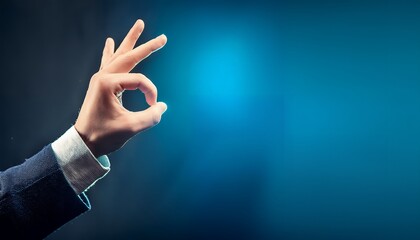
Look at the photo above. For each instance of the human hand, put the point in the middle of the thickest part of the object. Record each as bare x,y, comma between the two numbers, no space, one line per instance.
103,123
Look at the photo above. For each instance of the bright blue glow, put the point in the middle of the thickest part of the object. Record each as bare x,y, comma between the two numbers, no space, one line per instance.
295,120
220,69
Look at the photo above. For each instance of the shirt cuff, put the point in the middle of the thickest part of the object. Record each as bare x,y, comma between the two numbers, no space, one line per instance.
79,165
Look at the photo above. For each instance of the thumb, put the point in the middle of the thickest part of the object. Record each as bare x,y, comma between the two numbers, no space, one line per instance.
150,117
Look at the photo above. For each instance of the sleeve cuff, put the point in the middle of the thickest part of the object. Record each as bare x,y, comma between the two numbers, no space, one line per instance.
79,165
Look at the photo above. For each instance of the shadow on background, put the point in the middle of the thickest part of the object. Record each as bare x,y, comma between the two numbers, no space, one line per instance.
286,119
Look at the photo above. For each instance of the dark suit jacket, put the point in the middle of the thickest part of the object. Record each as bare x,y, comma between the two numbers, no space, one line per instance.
36,199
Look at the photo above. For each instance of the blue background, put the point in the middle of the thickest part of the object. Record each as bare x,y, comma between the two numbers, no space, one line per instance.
286,119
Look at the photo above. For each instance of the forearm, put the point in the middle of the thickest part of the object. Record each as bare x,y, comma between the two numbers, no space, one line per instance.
36,199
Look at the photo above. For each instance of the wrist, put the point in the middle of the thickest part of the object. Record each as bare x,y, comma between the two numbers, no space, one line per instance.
79,165
89,143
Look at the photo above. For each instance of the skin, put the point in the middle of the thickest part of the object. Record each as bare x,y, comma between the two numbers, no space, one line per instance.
103,122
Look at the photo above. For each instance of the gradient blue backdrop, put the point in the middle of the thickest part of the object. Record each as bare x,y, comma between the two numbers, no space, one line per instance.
286,119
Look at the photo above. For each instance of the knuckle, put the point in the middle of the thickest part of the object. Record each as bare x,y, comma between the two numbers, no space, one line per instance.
156,117
140,76
153,89
149,86
156,120
99,80
152,119
135,35
154,46
95,79
132,59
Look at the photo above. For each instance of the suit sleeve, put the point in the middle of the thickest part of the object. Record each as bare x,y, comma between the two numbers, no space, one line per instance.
36,198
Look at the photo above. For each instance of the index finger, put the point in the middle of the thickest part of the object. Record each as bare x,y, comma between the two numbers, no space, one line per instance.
127,61
132,81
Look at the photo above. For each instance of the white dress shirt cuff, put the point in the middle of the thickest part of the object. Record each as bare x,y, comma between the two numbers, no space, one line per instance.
79,165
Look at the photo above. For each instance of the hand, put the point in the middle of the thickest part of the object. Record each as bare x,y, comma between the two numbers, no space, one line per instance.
103,123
